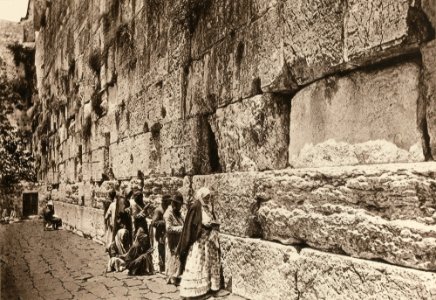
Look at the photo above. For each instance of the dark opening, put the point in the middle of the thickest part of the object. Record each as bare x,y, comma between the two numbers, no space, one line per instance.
214,158
30,204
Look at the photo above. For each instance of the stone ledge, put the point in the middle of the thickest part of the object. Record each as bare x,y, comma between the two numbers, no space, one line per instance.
258,269
85,220
379,212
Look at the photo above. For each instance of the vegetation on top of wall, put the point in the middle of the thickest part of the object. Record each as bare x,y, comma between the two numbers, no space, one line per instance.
16,162
21,89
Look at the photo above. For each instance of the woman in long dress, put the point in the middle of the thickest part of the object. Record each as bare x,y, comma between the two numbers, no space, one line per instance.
198,249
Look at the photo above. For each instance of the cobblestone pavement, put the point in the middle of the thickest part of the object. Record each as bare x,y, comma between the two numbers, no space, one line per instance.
37,264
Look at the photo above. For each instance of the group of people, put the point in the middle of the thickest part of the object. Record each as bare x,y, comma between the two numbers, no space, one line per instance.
6,217
188,246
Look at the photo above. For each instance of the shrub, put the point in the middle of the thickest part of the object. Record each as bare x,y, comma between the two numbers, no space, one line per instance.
155,130
86,128
94,61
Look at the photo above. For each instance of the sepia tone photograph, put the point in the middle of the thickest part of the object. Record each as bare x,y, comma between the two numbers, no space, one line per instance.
218,149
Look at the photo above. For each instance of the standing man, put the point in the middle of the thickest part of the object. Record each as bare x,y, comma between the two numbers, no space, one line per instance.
173,225
158,223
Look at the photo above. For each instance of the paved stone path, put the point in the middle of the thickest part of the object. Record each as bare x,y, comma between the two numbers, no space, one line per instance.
37,264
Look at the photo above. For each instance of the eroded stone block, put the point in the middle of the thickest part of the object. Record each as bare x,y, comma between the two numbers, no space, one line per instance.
257,270
363,118
181,147
130,156
376,28
312,39
252,134
328,276
368,211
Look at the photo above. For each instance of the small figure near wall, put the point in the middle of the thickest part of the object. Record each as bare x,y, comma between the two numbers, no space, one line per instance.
50,219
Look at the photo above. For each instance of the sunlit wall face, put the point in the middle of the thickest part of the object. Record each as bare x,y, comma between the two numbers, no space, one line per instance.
13,10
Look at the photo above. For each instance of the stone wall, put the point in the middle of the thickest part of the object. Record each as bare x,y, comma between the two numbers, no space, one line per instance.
313,123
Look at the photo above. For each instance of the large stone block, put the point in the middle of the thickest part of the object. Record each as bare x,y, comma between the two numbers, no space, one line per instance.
131,155
159,102
378,212
239,66
313,41
378,28
182,147
235,204
362,118
328,276
252,134
258,270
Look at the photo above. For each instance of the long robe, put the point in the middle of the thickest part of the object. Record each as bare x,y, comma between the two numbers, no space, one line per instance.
199,252
174,225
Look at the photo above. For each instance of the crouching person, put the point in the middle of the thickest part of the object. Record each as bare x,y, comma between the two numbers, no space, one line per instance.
49,216
138,259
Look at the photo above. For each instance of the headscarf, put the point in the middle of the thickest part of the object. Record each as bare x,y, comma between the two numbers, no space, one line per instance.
120,238
202,194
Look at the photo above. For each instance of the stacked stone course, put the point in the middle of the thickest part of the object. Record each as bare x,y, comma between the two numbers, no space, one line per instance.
313,123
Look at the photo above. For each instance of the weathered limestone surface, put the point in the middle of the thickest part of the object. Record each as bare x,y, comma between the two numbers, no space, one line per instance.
131,155
182,147
328,276
313,40
253,134
257,270
362,118
383,211
429,82
85,220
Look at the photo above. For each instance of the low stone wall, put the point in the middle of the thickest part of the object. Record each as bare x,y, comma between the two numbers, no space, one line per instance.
85,221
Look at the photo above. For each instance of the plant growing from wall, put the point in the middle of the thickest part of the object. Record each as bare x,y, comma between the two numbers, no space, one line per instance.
155,130
94,61
86,128
124,39
96,103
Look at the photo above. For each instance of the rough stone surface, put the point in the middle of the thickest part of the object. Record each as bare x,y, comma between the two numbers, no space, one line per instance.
84,220
257,270
372,116
313,41
253,134
381,211
182,147
429,82
328,276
